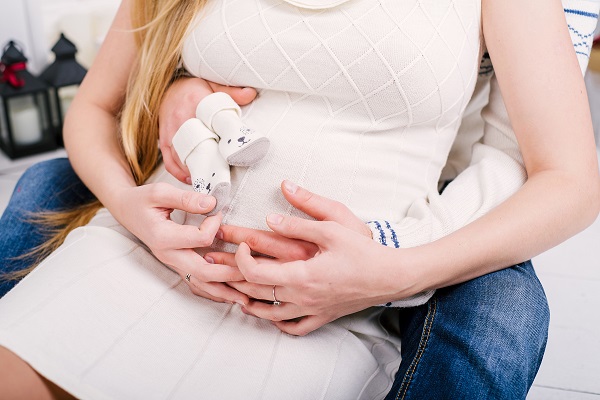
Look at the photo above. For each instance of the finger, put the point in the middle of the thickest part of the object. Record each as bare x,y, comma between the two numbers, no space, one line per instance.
221,258
321,233
202,293
268,243
301,327
229,259
176,236
189,262
321,208
177,161
172,165
217,291
255,291
264,273
168,196
218,273
206,279
282,312
240,95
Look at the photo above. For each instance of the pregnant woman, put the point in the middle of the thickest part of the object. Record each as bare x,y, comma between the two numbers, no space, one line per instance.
361,101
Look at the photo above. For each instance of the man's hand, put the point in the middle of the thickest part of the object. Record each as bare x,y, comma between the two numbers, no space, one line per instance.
320,268
179,105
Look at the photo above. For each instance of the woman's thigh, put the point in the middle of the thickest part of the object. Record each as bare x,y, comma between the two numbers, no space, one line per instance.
101,317
483,339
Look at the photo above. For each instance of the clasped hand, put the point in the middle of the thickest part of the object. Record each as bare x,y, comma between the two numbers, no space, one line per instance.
321,270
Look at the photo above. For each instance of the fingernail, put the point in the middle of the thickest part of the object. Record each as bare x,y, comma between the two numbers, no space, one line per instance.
188,180
206,202
241,304
219,235
275,219
291,187
209,259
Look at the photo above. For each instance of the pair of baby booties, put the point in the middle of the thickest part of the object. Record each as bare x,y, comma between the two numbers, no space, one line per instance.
213,141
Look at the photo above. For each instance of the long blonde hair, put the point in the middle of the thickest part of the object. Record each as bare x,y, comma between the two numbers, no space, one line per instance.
159,27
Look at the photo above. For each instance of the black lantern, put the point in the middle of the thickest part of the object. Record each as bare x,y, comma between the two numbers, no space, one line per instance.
64,76
25,126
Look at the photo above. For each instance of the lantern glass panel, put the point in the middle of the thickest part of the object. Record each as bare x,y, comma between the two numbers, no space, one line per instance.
42,104
53,106
3,123
25,119
66,95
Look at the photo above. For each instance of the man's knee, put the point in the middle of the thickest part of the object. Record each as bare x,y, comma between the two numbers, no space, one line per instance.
507,316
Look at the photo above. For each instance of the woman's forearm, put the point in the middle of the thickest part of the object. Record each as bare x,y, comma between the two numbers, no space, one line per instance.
95,153
546,101
91,126
524,226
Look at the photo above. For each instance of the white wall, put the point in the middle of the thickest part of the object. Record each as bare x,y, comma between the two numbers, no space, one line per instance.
37,24
19,24
85,22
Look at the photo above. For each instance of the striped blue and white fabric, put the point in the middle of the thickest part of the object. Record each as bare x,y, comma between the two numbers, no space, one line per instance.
582,17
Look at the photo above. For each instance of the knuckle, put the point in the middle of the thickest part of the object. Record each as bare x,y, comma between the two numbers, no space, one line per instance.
195,290
269,316
309,197
329,230
311,302
158,191
299,331
251,276
186,199
300,253
253,241
292,224
204,239
200,276
339,210
338,206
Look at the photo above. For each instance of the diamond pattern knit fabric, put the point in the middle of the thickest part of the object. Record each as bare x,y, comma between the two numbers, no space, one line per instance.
361,101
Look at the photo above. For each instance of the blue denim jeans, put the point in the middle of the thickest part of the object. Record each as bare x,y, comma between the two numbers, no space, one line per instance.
47,186
483,339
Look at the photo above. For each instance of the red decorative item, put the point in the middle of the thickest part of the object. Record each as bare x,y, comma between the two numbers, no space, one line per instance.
9,74
12,62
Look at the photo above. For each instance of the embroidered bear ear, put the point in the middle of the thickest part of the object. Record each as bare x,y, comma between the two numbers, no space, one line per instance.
316,4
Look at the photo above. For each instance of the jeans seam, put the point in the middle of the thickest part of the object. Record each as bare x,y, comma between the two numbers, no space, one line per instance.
427,326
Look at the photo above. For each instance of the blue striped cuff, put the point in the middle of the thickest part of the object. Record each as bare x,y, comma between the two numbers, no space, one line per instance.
384,233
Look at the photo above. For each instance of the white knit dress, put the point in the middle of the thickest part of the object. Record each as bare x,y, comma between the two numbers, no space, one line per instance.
361,100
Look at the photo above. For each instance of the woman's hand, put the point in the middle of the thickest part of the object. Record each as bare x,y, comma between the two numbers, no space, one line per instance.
320,268
285,249
179,105
337,281
146,212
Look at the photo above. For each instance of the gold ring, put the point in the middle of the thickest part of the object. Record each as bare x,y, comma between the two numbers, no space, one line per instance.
188,277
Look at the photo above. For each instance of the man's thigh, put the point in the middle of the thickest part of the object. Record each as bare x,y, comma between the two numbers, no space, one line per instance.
47,186
483,339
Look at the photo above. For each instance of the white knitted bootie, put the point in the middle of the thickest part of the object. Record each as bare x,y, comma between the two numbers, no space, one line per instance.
197,147
238,144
